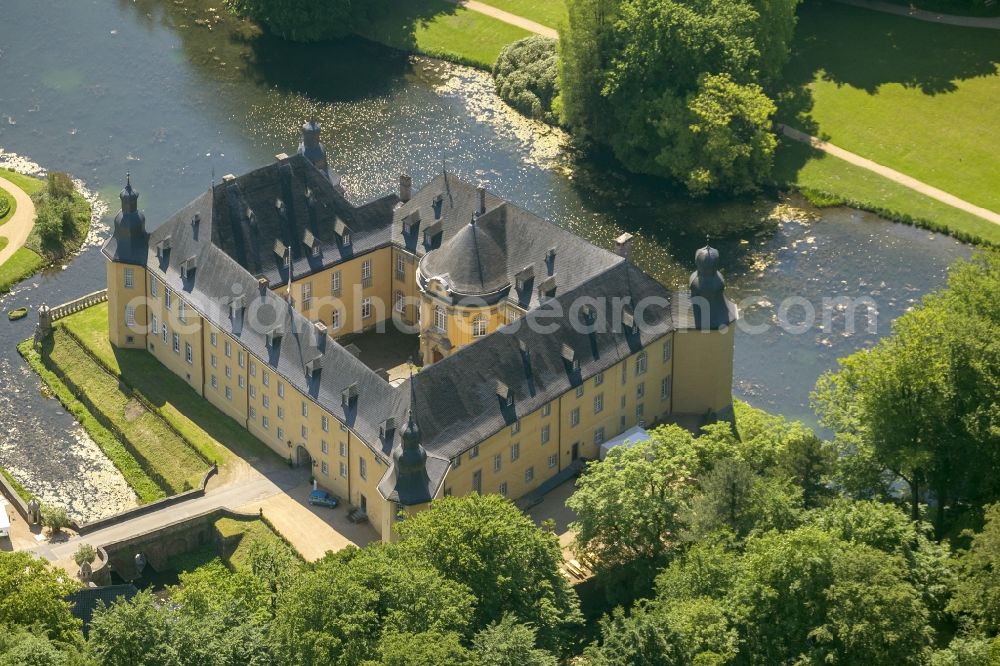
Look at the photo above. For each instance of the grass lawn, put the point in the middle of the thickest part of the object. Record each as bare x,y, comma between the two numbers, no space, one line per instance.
551,13
216,436
145,488
238,537
21,264
915,96
3,242
29,184
441,29
955,7
16,485
170,461
829,180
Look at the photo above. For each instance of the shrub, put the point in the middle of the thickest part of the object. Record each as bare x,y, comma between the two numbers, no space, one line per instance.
526,77
55,518
5,203
84,554
60,185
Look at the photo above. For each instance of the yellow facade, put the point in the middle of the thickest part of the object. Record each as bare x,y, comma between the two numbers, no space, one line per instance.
127,313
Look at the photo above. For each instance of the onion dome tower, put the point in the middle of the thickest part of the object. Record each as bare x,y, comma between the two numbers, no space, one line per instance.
129,241
712,309
411,458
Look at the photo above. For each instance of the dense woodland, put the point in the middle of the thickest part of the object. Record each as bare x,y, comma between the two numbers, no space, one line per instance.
763,544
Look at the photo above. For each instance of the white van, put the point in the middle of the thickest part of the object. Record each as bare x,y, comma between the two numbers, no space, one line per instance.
4,521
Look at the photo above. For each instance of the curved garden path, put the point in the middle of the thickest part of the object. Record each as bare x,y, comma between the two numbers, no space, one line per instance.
891,174
17,228
988,22
507,17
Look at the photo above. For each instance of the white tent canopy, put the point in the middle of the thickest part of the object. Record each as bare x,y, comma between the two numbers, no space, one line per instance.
630,437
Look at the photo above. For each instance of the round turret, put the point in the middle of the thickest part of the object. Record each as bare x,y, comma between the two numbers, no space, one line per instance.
130,224
410,458
312,148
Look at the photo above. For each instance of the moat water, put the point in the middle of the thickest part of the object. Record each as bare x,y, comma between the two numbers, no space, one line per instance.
176,92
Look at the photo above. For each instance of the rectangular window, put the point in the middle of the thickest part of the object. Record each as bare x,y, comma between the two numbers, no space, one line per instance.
366,269
366,307
546,409
167,298
665,388
515,427
130,316
214,339
229,393
640,410
154,325
624,371
343,449
253,413
545,434
574,417
456,462
307,296
129,278
640,390
304,431
164,328
579,391
529,475
598,379
553,460
497,462
503,488
242,359
343,470
229,349
599,436
362,468
188,353
668,350
214,361
177,343
253,369
399,302
182,314
253,392
281,412
515,452
265,400
154,287
598,403
229,372
266,422
242,381
324,446
215,382
335,282
281,433
281,389
400,267
265,377
325,469
305,409
335,319
640,363
440,320
324,422
474,452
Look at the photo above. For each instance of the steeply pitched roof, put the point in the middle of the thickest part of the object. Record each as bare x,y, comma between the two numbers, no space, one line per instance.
457,405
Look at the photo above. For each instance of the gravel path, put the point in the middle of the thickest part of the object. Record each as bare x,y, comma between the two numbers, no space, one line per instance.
891,174
507,17
17,228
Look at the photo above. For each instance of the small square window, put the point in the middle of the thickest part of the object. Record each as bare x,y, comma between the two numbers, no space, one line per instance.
553,460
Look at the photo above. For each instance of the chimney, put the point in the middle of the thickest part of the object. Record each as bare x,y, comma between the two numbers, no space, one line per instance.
320,329
623,245
405,187
481,191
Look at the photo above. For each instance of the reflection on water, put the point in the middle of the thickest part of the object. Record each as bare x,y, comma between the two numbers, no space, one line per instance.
177,92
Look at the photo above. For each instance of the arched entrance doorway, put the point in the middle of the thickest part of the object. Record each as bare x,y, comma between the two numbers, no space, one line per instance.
302,457
436,355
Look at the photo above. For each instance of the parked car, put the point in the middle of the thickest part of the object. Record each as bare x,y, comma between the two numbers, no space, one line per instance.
323,498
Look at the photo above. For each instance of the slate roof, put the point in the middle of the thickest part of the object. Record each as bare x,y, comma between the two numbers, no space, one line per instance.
84,602
456,400
227,236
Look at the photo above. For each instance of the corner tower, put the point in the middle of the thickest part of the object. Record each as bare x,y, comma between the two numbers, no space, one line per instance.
126,252
703,344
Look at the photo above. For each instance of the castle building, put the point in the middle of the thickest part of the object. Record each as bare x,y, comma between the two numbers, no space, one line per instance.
535,346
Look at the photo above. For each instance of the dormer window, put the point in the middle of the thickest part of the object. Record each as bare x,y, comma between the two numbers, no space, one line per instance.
280,249
629,323
274,336
547,289
342,231
523,277
348,394
550,261
236,307
188,266
314,365
280,206
438,206
309,240
387,428
570,357
411,222
162,247
431,231
505,394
